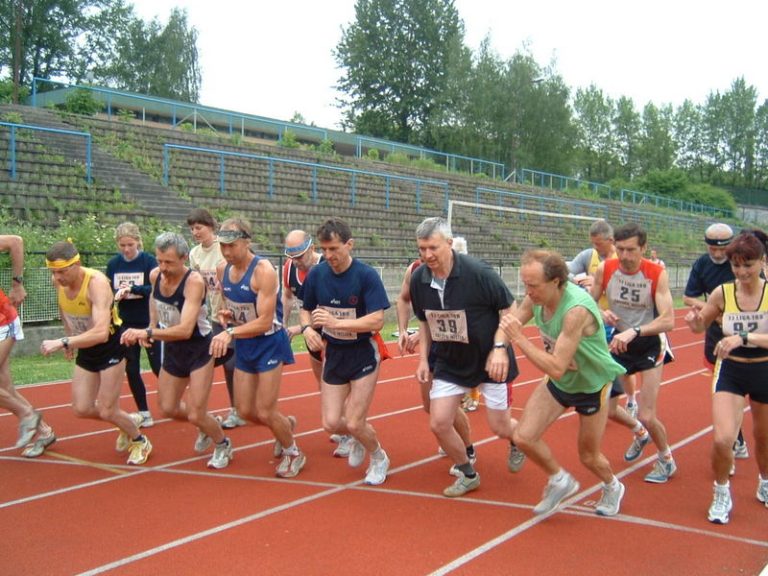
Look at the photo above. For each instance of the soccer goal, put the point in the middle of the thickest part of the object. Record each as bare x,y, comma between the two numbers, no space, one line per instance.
557,216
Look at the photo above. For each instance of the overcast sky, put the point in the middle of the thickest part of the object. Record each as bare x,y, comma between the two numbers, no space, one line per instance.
274,58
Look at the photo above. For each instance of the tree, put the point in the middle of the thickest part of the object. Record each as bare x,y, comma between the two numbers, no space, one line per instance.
626,126
395,58
157,60
596,140
657,144
687,130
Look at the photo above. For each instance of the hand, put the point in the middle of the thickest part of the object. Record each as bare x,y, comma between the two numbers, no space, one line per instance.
122,293
693,318
512,327
322,317
293,331
724,348
220,344
132,336
497,364
313,339
225,317
48,347
609,318
407,342
621,341
423,374
17,294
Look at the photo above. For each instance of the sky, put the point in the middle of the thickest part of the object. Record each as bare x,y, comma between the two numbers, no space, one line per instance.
275,58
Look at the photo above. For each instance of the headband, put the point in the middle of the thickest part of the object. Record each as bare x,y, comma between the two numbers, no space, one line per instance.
296,251
229,236
59,264
718,241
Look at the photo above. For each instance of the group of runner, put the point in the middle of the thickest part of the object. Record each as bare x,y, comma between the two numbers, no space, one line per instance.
602,317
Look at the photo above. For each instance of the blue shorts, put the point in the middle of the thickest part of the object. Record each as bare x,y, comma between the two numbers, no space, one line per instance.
182,358
343,364
263,353
742,378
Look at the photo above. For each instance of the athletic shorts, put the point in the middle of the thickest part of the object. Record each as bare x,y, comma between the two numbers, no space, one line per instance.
317,355
12,330
343,364
617,388
742,378
585,403
644,353
496,394
182,358
102,356
263,353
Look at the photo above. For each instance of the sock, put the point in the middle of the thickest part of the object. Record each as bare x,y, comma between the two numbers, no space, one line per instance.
291,450
559,477
639,430
379,453
727,485
471,451
467,470
612,485
226,441
139,438
666,454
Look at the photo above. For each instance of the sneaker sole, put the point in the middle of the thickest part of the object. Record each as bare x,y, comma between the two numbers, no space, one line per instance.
719,520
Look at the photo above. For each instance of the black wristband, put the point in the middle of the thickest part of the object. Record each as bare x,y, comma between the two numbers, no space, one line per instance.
304,327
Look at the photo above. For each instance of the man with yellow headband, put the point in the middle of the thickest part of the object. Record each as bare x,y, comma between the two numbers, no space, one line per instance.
91,326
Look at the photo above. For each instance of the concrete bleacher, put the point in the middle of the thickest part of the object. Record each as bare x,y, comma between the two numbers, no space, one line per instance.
128,162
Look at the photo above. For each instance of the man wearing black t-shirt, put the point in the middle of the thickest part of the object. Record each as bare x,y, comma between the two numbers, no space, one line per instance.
459,301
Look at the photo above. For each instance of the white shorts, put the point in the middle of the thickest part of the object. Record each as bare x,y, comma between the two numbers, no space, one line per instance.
495,393
12,330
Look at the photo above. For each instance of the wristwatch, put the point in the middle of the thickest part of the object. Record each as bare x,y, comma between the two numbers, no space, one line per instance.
18,279
744,337
149,333
304,328
637,330
65,342
499,344
231,331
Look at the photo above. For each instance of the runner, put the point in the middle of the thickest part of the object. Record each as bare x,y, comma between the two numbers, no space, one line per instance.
178,317
34,434
578,373
91,327
252,318
343,308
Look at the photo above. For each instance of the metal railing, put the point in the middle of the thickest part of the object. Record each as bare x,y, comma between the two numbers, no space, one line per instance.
453,162
13,127
314,167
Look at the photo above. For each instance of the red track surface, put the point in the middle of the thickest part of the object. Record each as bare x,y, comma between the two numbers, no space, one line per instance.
80,509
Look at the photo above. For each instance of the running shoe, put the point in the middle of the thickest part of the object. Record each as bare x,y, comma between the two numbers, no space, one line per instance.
277,449
146,419
635,449
140,451
762,491
336,438
123,441
662,471
344,447
555,493
37,447
232,420
203,441
515,459
28,428
356,454
740,450
377,470
291,465
610,501
719,511
222,455
462,485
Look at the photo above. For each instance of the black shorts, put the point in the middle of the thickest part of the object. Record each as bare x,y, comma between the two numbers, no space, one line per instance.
182,358
230,354
742,378
644,353
102,356
343,364
584,403
617,388
316,354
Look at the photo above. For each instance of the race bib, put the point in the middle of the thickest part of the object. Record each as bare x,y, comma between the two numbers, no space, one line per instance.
167,315
211,281
125,279
448,325
242,312
79,324
341,314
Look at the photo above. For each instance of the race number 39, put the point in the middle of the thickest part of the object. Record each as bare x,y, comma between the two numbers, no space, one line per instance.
448,325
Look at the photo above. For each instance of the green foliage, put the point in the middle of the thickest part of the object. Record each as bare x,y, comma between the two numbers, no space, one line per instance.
125,115
288,140
6,92
326,148
12,117
81,101
373,154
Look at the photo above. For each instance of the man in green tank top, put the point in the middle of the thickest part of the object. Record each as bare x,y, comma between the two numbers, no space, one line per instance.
578,372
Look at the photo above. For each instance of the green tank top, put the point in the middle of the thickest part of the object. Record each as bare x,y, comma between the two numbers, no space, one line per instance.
594,366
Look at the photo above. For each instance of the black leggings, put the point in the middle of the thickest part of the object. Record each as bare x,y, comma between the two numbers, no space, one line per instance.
133,371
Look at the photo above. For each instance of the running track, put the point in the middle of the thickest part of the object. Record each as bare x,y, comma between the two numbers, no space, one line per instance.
81,510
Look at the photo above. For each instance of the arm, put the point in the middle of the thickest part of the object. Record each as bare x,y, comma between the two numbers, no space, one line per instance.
311,336
372,322
577,322
288,300
14,245
425,343
405,342
497,363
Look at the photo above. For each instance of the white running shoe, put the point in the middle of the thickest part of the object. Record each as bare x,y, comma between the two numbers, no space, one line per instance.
555,493
222,455
356,454
377,470
610,501
291,465
123,441
344,446
277,449
719,511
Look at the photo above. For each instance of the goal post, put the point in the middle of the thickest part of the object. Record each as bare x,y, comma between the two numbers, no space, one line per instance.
496,208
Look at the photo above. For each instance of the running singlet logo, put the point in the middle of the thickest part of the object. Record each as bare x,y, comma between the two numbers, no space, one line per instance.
126,279
341,314
448,325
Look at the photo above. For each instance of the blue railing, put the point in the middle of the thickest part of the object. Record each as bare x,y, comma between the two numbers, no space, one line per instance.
558,182
453,162
271,161
12,145
180,112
